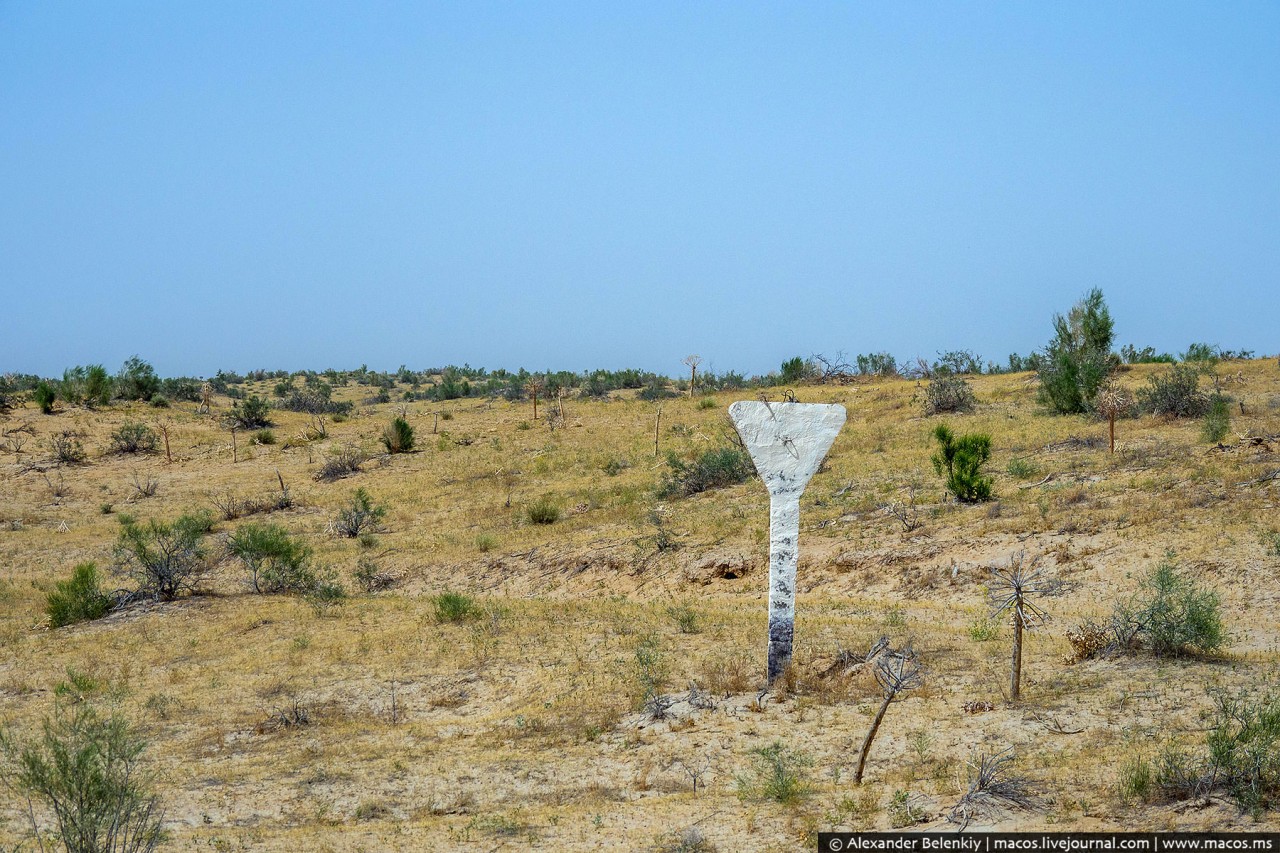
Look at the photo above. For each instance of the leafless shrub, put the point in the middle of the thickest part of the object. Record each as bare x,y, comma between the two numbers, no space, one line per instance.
906,512
144,488
57,488
229,505
993,790
344,463
895,672
291,717
66,447
695,769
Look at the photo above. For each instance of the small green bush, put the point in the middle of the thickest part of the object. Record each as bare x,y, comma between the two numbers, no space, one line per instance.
80,599
160,401
275,560
264,436
1173,614
707,403
1022,469
455,607
397,437
45,396
359,517
543,511
713,469
959,462
486,542
948,394
251,413
134,437
687,619
1217,420
777,773
1174,393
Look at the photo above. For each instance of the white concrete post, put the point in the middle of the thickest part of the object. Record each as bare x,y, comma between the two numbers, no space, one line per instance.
787,442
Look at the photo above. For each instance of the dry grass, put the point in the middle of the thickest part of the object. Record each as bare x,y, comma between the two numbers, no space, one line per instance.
520,724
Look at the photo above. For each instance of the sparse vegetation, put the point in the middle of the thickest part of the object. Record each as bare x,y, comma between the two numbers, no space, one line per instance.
712,469
343,463
84,783
544,510
455,607
777,773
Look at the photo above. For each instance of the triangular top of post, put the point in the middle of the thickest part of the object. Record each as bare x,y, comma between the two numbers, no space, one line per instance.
787,441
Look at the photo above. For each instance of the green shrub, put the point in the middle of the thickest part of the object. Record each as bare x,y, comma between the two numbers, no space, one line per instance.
1022,469
134,438
687,619
1137,780
137,380
276,561
948,394
713,469
1217,420
251,413
397,437
544,510
159,401
360,516
164,559
455,607
796,370
84,774
1173,615
80,599
486,542
66,447
959,462
777,773
264,436
1175,393
1244,750
707,403
343,463
1078,361
45,396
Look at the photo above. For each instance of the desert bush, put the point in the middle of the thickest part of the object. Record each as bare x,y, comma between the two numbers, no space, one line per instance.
946,393
159,401
655,389
486,542
80,599
134,437
165,559
707,403
66,449
345,462
959,462
136,380
777,773
397,437
1175,393
250,413
84,776
1022,469
713,469
1173,615
275,560
615,466
1244,749
544,510
264,436
455,607
1077,362
45,396
360,516
797,370
1217,419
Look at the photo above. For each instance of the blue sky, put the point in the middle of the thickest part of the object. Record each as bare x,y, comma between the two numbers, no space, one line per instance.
571,186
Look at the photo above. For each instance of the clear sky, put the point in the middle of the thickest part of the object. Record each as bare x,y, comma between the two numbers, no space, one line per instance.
571,186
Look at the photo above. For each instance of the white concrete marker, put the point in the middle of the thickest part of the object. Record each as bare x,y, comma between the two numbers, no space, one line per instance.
787,441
